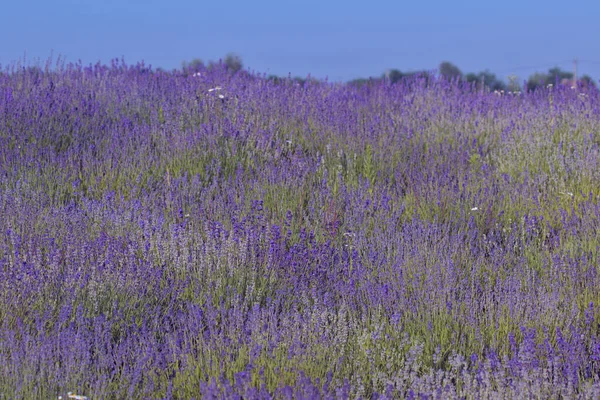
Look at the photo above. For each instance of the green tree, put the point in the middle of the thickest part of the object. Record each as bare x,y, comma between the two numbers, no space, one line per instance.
359,82
233,62
587,81
193,66
449,70
471,77
487,79
554,76
536,80
394,75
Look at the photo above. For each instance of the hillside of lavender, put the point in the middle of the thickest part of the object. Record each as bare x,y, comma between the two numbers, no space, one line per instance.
218,235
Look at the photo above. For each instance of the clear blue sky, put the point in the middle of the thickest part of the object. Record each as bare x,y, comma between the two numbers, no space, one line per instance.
338,39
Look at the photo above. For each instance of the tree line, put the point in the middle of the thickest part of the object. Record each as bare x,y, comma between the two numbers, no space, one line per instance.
232,63
488,80
481,80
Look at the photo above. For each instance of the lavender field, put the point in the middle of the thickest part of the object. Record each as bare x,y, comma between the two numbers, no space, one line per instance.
221,235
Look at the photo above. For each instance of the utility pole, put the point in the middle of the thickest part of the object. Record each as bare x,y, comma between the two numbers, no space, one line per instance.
575,72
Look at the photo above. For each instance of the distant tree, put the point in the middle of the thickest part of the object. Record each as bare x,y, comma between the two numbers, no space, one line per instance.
471,77
587,81
275,79
487,79
299,80
193,66
425,75
394,75
536,80
554,76
359,82
490,80
449,70
233,62
284,80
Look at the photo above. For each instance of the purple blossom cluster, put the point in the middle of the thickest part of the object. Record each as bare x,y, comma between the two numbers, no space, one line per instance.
219,235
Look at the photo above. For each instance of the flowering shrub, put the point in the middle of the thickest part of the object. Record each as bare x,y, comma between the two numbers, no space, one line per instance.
226,236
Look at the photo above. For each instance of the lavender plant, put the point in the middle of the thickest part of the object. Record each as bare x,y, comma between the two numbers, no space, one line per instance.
166,239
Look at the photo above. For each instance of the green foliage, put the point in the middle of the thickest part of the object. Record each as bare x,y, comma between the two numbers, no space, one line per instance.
395,75
233,62
369,166
587,81
449,70
553,77
487,79
450,209
193,66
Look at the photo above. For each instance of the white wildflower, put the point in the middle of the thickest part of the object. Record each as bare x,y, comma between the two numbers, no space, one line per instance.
214,89
474,209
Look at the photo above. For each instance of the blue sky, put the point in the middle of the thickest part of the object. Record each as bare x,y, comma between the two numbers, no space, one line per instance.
341,40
